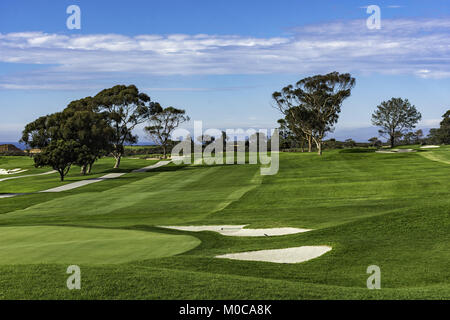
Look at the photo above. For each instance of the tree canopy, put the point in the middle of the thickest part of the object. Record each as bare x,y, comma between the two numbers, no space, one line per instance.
125,108
314,103
77,129
163,122
441,134
395,117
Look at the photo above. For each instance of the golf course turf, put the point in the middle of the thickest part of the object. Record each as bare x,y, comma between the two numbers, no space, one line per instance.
389,210
42,244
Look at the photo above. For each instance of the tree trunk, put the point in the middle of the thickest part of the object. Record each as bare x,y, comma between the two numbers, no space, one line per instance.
83,170
61,175
118,157
90,168
309,143
392,141
165,151
319,148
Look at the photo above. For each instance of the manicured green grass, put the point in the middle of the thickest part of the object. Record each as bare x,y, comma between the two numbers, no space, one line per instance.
42,244
22,162
390,210
40,183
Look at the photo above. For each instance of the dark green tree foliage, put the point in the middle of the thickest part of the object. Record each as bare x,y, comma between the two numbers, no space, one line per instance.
163,122
314,103
395,117
78,128
441,135
290,135
374,142
39,133
125,108
90,129
445,128
350,143
59,155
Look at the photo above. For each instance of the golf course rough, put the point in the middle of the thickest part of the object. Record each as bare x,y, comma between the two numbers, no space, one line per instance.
74,245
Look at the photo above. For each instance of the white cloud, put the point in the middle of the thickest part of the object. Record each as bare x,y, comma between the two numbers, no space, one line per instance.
403,46
430,122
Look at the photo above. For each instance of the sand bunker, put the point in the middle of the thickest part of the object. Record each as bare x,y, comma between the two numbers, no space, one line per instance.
288,255
10,195
396,151
12,171
429,147
239,231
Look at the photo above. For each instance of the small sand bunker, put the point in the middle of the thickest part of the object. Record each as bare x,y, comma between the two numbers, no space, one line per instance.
288,255
396,151
429,147
11,171
239,231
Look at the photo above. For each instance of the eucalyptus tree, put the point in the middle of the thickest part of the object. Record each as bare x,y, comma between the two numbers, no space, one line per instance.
78,135
46,134
125,108
89,128
163,122
314,103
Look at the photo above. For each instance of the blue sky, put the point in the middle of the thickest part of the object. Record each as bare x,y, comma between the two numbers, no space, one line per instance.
221,60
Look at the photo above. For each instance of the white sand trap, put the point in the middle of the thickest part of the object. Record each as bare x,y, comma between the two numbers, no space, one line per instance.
429,147
239,231
396,151
28,175
12,171
288,255
82,183
153,166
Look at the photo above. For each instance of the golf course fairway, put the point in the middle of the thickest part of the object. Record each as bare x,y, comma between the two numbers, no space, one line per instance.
42,244
387,210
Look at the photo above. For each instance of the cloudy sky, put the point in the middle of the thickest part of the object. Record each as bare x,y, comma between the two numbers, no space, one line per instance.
221,60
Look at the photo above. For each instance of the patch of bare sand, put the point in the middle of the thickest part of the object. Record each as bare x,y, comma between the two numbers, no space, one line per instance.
287,255
239,231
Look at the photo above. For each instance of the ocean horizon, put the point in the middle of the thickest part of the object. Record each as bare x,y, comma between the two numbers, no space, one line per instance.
22,146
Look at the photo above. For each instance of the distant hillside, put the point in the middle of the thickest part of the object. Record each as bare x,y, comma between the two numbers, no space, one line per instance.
21,146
